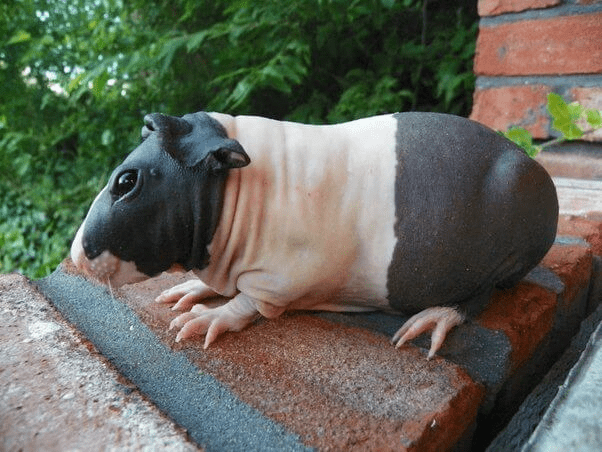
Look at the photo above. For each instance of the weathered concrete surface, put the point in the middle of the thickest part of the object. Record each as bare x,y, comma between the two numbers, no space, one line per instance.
57,393
572,421
520,429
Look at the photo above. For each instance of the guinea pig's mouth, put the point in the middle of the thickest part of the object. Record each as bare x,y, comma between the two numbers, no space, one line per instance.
111,269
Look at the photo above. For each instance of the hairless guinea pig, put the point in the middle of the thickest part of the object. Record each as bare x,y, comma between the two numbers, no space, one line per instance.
416,213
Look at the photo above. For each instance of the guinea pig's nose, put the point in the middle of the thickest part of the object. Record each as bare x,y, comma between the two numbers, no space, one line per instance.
78,256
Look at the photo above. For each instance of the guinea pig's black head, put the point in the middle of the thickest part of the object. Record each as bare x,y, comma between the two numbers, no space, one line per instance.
161,205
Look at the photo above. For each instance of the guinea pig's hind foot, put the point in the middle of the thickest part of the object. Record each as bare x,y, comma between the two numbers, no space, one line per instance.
439,319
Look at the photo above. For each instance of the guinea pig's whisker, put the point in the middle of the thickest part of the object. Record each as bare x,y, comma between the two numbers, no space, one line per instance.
110,288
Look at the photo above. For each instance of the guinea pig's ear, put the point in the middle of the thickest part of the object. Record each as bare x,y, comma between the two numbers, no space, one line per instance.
169,126
196,139
208,144
227,155
216,153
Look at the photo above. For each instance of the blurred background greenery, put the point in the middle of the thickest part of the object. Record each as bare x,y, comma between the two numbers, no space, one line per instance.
77,76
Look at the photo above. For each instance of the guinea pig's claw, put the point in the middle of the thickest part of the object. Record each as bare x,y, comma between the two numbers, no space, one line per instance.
440,320
192,324
180,321
185,295
211,322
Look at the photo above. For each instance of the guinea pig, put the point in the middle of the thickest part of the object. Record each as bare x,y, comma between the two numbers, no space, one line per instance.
418,213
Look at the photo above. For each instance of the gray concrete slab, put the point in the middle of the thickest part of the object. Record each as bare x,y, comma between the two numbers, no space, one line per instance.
572,421
520,429
57,393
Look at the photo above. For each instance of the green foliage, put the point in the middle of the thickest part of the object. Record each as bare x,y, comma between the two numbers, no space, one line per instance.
78,76
523,139
568,119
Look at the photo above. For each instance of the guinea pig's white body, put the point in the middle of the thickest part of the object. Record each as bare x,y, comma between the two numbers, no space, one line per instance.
309,224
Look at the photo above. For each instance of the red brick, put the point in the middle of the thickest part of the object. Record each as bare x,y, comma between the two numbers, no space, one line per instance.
589,98
494,7
594,216
573,265
561,45
589,230
525,313
503,107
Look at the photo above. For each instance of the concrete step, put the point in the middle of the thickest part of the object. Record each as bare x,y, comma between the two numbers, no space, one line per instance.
562,412
572,421
58,393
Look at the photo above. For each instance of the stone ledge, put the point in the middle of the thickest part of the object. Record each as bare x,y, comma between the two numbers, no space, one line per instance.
57,393
572,421
578,197
519,433
574,160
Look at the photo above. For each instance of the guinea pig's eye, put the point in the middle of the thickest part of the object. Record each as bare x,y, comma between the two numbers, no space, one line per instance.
125,183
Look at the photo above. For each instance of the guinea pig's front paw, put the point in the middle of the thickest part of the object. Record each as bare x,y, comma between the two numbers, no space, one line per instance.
439,319
186,295
233,316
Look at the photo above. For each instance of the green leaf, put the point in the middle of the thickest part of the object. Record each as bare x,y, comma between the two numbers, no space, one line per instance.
575,110
523,139
23,164
73,84
99,84
557,107
564,116
568,129
195,40
520,136
241,92
594,118
168,50
573,132
19,37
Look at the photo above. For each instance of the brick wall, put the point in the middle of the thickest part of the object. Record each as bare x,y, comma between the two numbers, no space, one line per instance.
529,48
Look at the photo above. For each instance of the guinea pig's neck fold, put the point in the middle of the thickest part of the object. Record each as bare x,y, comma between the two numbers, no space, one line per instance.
229,243
206,206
